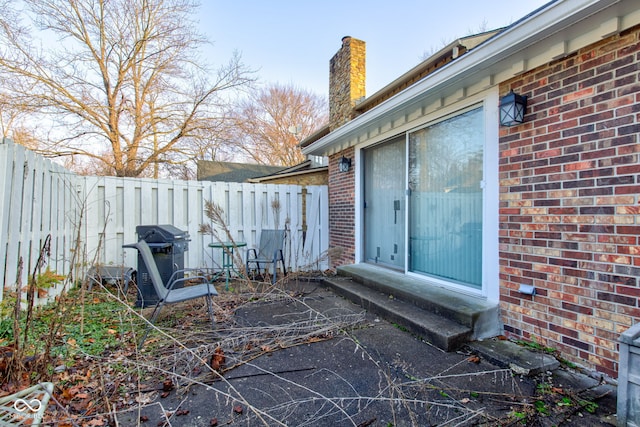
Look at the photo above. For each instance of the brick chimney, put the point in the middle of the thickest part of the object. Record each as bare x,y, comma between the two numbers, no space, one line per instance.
346,81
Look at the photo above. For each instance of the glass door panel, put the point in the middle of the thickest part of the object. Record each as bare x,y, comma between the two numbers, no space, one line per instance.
445,213
384,203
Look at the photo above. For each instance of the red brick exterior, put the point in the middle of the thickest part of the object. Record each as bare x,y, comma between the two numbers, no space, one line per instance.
569,208
342,210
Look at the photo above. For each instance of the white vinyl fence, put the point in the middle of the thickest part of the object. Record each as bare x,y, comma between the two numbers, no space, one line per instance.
115,206
40,198
38,213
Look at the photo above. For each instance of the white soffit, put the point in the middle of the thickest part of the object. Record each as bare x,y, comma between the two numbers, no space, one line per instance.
557,30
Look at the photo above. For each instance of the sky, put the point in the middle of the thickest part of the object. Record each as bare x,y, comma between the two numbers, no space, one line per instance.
292,41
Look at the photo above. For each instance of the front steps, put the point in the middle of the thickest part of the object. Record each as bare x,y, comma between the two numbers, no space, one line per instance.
442,317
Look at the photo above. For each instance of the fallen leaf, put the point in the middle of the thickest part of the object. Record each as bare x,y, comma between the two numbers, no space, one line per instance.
145,398
112,331
217,359
70,393
167,385
237,409
213,422
71,342
474,359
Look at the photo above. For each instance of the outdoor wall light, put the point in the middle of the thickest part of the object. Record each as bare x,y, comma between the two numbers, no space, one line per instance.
512,108
344,164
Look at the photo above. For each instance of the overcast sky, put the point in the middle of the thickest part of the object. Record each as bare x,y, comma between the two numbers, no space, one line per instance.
292,41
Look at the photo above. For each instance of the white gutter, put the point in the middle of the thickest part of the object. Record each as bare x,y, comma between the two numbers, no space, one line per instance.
557,17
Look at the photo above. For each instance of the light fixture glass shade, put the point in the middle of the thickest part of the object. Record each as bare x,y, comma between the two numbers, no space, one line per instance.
512,109
344,164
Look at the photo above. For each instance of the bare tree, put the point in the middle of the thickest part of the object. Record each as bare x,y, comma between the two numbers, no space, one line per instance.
119,81
12,124
14,115
269,124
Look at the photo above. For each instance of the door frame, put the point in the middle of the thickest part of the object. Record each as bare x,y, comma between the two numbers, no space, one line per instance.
490,247
401,262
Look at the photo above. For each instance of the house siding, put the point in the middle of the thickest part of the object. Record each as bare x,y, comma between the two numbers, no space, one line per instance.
315,178
569,206
342,210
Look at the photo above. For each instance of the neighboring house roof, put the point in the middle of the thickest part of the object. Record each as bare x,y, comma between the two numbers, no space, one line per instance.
551,32
233,172
322,131
304,168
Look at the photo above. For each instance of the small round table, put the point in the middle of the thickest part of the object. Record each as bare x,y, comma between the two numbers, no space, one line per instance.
227,258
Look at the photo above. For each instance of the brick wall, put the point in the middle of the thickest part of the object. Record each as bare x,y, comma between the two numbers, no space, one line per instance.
569,208
342,209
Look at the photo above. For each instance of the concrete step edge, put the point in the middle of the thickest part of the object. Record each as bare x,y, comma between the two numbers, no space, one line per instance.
466,311
444,333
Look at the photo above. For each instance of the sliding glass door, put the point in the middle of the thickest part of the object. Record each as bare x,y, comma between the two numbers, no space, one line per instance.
440,236
445,202
384,203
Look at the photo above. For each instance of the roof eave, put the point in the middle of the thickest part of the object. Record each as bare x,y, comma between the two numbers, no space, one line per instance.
468,43
534,28
288,174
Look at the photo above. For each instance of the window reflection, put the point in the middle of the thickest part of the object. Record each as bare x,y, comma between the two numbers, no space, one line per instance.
445,175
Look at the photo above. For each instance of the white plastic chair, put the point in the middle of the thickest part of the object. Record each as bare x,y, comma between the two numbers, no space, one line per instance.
26,407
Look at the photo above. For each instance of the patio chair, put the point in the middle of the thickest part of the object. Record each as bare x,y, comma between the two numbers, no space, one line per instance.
269,252
120,275
166,293
26,407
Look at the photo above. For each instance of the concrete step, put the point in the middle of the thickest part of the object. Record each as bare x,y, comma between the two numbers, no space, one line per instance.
477,313
519,359
446,318
438,330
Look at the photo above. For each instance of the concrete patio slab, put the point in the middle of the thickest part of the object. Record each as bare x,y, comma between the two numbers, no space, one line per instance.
371,374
